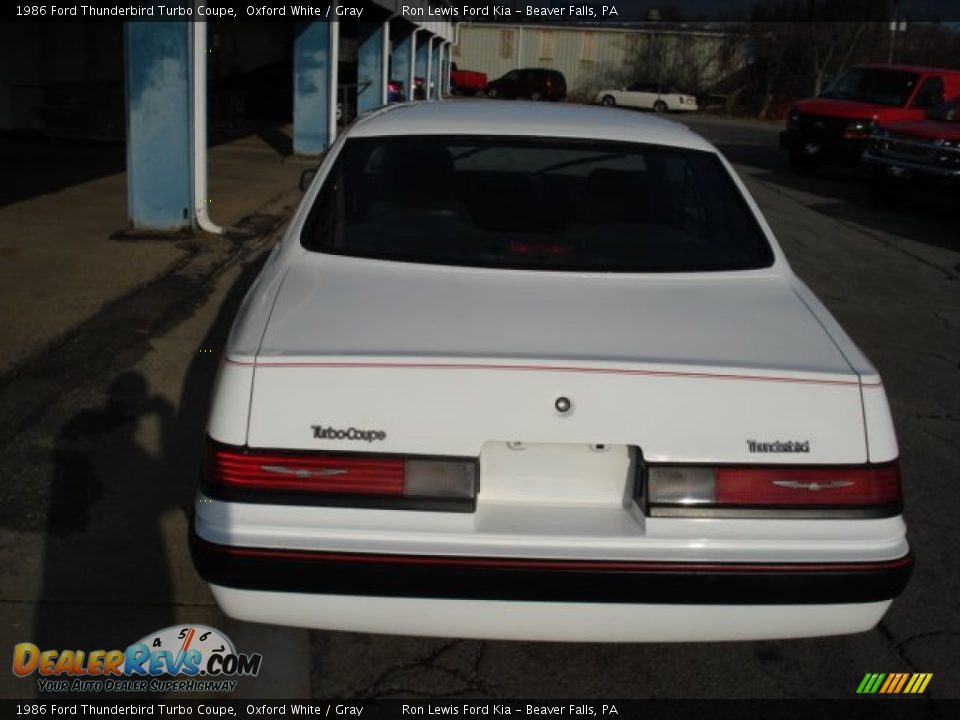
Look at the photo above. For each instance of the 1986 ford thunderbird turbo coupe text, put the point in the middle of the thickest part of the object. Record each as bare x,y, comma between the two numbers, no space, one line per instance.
518,371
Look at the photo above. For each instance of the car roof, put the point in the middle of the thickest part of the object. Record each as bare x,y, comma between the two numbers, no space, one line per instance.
521,118
922,69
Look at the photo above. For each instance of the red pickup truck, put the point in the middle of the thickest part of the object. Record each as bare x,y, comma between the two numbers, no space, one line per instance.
466,82
835,126
921,151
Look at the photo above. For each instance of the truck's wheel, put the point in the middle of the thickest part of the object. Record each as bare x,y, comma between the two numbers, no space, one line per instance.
802,163
884,191
608,100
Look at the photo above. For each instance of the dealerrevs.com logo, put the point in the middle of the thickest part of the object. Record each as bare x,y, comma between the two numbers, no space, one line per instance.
182,658
331,433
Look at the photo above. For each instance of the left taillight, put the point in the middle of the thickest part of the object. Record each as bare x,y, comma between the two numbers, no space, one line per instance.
732,491
344,479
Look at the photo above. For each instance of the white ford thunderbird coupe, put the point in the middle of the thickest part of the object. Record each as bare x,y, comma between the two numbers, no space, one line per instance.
531,372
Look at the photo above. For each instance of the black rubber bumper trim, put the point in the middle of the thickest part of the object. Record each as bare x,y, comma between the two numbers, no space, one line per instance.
375,502
548,580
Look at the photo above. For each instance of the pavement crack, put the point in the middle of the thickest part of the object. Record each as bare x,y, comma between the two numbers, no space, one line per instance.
941,438
918,353
945,320
396,680
895,645
929,634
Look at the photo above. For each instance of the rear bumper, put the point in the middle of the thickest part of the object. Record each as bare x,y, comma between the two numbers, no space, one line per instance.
550,581
541,621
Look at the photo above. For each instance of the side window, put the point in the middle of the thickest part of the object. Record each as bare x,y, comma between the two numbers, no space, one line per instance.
930,93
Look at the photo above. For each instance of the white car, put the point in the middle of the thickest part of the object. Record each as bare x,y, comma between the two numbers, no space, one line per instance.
648,96
543,372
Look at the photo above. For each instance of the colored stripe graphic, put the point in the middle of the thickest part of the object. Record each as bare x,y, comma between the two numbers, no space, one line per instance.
894,683
862,687
923,679
899,686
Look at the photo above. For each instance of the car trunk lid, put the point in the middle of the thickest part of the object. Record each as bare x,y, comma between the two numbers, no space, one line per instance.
442,360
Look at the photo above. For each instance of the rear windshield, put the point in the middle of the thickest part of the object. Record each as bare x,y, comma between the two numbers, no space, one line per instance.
530,203
878,86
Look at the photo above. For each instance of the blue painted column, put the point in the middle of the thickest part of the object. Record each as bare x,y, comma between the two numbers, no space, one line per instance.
423,46
400,55
435,68
445,78
369,65
311,88
157,77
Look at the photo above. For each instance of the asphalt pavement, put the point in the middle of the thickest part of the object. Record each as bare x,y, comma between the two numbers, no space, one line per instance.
103,408
99,472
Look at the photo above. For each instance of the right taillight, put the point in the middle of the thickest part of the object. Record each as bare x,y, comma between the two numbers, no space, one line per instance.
812,491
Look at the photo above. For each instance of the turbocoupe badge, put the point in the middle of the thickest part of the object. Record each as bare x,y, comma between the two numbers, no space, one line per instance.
779,446
331,433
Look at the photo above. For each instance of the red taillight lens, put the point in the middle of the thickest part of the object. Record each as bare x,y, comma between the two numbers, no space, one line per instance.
691,490
329,474
808,486
320,473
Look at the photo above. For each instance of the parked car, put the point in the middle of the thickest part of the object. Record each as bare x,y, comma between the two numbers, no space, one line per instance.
532,83
834,127
543,372
649,96
395,91
466,82
920,151
419,88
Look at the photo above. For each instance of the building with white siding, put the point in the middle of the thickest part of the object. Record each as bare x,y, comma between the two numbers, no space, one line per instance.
594,57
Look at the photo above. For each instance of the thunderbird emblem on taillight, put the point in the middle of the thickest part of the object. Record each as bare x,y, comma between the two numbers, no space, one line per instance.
303,472
800,485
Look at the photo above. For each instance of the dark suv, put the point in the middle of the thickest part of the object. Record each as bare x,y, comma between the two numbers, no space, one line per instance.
532,83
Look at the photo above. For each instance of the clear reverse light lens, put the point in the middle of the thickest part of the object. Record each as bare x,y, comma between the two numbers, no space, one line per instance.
440,478
682,486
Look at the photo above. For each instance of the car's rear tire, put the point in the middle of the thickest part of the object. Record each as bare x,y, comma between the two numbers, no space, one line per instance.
659,107
803,163
491,92
536,96
608,100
